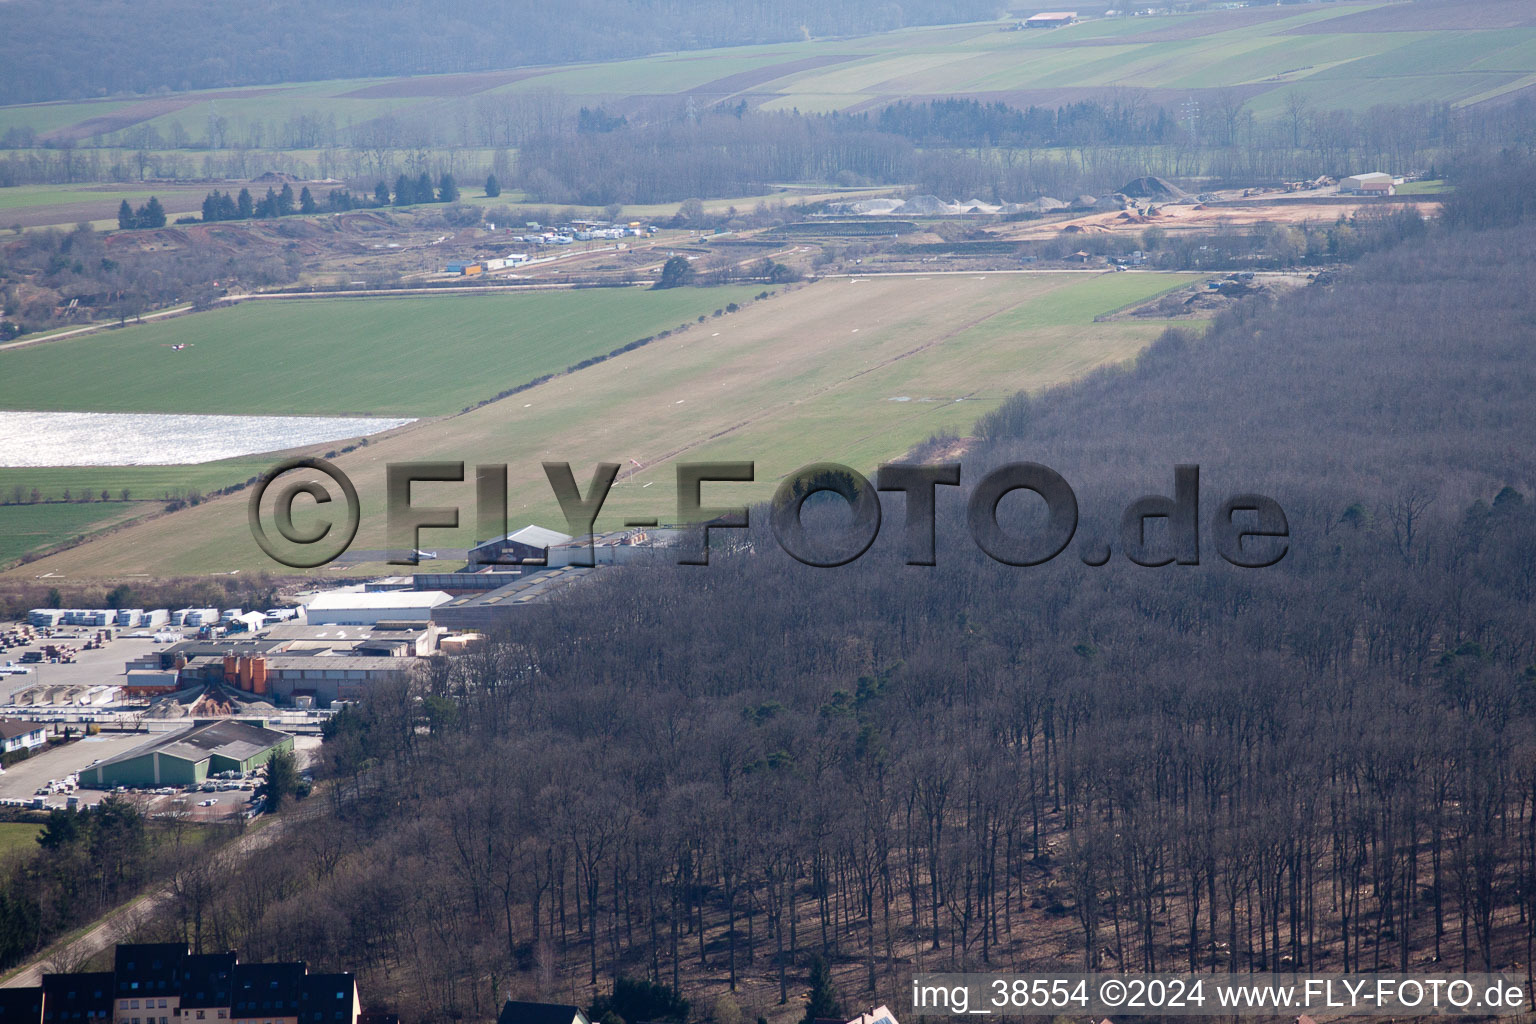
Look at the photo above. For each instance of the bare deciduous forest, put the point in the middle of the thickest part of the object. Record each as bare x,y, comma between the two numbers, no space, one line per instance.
706,776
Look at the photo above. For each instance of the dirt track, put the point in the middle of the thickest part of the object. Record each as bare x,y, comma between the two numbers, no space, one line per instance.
120,924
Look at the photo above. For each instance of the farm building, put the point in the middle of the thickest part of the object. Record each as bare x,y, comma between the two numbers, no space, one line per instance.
1375,183
1051,19
188,758
20,735
530,544
351,608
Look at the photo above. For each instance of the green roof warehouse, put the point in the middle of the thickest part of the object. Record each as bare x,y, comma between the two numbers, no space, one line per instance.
189,758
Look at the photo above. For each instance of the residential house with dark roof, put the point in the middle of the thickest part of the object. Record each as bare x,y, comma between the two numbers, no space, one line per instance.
164,983
70,998
23,1005
17,734
144,986
267,993
328,999
540,1013
207,982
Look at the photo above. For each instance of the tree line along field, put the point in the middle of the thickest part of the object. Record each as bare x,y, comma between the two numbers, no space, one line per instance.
64,206
1328,54
143,483
851,370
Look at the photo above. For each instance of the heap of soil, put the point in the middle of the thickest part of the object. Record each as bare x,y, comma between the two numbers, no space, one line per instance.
1153,187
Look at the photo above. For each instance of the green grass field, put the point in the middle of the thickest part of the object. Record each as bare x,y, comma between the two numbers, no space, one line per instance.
1433,187
849,370
409,356
143,483
25,197
18,837
25,528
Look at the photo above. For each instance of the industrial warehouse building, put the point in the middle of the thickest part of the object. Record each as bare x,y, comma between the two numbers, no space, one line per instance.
383,639
1376,183
320,662
529,545
189,758
357,608
317,681
1051,19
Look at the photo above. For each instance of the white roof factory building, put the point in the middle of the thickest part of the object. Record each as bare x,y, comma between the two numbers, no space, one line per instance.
1375,183
355,608
1051,19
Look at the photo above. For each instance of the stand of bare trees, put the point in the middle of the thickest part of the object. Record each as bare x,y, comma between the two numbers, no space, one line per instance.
706,776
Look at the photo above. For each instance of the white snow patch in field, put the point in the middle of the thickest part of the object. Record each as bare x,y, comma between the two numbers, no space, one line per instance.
36,439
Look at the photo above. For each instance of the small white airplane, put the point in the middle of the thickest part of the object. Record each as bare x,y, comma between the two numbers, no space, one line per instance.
418,554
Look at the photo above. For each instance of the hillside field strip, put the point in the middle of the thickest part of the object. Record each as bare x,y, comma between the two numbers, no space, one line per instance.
1339,55
854,370
415,356
25,528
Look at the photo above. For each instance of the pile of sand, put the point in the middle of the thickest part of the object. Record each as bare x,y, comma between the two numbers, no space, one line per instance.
1153,187
1045,204
923,206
